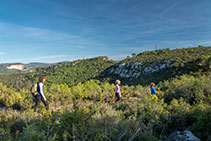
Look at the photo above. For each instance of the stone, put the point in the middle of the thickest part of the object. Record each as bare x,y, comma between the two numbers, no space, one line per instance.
180,136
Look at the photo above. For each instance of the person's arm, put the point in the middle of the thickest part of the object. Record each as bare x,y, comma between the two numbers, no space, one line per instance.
156,92
120,95
116,89
119,91
42,91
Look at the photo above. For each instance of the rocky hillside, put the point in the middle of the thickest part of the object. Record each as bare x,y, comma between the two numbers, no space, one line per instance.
17,67
159,65
8,69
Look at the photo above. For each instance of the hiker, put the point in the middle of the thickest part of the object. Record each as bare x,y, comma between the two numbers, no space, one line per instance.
117,91
40,96
153,91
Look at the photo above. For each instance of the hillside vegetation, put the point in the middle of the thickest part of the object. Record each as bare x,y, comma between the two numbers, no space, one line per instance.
70,73
85,112
80,99
18,68
5,71
179,56
160,65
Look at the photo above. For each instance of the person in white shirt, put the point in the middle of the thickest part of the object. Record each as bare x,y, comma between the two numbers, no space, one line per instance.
40,96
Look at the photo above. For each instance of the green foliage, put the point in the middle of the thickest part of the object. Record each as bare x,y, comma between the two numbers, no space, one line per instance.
78,71
17,80
179,55
9,96
201,127
179,62
84,111
191,88
70,73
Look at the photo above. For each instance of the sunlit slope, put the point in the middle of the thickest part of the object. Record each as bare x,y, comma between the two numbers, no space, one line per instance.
159,65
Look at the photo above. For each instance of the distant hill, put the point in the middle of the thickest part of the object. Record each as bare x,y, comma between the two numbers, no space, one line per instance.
159,65
17,68
5,69
76,71
37,64
70,73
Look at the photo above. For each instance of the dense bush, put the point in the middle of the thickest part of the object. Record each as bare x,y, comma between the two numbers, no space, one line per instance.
9,97
202,125
192,89
82,112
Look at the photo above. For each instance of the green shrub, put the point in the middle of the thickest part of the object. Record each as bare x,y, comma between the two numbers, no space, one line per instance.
192,89
201,127
9,96
80,112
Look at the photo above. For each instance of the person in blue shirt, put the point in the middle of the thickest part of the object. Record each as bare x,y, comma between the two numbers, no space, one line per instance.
153,92
152,88
40,96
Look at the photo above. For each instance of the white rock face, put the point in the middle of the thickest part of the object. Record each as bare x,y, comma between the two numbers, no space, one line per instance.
17,67
135,70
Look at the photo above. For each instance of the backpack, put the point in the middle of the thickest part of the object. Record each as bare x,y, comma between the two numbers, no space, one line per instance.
34,90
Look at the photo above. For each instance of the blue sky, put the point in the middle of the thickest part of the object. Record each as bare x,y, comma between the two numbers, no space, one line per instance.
60,30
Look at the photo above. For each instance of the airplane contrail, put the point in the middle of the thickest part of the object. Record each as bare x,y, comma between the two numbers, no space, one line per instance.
168,9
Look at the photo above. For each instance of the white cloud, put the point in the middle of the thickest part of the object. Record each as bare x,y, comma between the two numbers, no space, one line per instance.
205,43
182,43
119,57
51,59
47,57
32,35
2,53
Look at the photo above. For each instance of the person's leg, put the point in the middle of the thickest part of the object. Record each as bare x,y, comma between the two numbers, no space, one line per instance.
45,103
154,97
37,102
118,97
